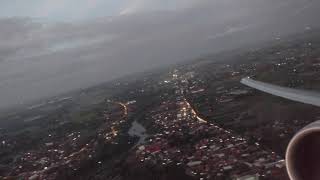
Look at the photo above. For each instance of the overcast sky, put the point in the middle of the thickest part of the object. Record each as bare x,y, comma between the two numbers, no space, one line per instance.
53,46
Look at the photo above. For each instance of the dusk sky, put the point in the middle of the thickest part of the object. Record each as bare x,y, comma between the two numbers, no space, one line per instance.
71,10
49,47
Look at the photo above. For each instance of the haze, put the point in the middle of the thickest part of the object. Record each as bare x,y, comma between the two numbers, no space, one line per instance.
49,47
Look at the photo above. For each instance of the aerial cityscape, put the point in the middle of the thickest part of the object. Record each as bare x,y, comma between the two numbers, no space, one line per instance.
159,90
194,120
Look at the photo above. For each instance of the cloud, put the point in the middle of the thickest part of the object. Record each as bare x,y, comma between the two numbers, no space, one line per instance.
71,10
230,31
40,59
138,6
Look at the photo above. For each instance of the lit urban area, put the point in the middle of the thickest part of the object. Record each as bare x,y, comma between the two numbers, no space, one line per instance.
192,121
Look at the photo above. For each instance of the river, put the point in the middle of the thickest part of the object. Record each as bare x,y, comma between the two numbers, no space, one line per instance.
138,130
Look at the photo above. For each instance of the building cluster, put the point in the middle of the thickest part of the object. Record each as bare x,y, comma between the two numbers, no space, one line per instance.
69,153
268,119
203,149
113,121
54,156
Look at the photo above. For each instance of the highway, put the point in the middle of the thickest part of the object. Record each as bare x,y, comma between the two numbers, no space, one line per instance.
125,109
194,113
